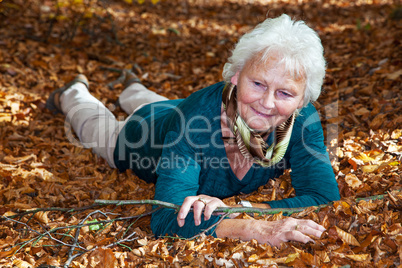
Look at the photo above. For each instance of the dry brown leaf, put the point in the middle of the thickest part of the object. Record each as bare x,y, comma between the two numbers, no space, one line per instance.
398,240
42,216
18,205
143,241
396,134
358,257
102,258
139,251
395,229
347,237
305,212
395,75
22,264
8,253
9,213
377,121
17,160
353,181
393,148
362,111
371,156
366,207
342,206
271,261
369,168
291,257
253,258
323,256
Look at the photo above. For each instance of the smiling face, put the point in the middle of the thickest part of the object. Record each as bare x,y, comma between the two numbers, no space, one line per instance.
267,95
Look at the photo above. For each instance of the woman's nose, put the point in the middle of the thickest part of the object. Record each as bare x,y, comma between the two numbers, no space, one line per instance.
268,100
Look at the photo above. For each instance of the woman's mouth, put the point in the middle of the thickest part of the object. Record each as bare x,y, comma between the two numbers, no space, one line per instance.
262,114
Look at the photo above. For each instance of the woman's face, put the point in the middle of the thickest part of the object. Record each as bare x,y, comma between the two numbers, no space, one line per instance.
266,94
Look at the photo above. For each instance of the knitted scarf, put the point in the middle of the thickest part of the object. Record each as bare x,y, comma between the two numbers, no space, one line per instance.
250,142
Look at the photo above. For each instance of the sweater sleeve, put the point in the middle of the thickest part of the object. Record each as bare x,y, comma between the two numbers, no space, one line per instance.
312,175
178,177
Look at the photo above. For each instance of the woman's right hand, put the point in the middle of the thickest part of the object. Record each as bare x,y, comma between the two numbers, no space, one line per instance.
201,204
272,232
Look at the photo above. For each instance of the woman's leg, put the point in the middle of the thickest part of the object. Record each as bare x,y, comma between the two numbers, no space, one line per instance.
137,95
93,123
95,126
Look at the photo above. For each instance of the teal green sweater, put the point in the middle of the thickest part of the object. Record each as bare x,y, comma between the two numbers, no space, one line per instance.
178,145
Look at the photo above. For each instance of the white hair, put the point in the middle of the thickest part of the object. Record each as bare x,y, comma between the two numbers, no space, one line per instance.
297,45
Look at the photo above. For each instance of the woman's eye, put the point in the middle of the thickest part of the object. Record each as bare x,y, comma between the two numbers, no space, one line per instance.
284,94
257,84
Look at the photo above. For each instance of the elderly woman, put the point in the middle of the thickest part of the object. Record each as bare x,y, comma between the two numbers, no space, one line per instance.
223,140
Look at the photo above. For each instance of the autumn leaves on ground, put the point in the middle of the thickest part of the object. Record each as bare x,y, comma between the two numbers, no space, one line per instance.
178,47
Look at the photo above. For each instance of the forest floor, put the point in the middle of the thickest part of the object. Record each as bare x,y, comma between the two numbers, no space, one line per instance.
179,47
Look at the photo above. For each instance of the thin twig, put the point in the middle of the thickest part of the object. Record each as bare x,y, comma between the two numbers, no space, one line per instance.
71,258
218,210
137,202
111,69
40,235
78,229
76,250
34,211
126,239
229,210
48,234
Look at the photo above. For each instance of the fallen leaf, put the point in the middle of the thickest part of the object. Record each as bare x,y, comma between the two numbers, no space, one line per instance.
22,264
353,181
16,160
347,237
9,253
291,257
42,216
395,75
358,257
100,258
369,168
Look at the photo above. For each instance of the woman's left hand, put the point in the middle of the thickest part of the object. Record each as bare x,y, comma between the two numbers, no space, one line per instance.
199,204
272,232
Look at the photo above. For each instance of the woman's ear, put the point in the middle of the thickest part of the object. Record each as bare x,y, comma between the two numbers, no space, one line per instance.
235,78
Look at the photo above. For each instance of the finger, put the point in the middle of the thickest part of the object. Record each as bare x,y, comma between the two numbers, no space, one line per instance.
312,224
297,236
198,207
184,209
310,231
210,208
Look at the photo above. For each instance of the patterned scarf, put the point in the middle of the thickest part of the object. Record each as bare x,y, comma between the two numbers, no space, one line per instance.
250,143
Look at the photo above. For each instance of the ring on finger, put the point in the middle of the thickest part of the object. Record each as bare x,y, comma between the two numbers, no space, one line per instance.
202,200
297,227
